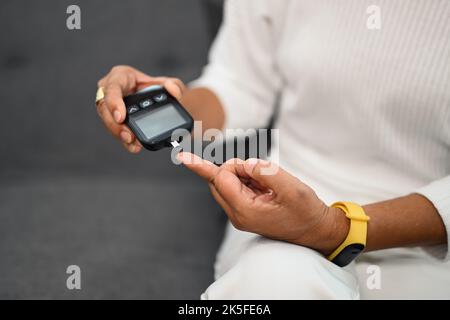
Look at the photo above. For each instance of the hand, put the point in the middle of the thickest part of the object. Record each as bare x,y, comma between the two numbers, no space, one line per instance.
277,206
120,82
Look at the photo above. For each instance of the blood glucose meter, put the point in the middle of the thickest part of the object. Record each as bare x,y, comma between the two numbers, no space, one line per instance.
153,115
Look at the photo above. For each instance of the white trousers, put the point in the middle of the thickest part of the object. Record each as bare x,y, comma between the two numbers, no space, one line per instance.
249,266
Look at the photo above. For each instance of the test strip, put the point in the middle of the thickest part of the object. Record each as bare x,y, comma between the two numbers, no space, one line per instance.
175,144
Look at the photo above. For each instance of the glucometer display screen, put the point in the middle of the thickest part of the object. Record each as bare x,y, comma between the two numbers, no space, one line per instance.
161,120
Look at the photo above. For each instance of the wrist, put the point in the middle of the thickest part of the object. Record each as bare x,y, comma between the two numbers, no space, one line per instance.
335,230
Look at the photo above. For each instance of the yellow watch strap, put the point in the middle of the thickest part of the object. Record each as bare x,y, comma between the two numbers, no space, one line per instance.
357,233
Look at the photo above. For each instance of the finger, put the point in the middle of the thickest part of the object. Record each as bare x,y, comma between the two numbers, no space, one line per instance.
114,101
203,168
108,120
254,185
236,166
180,84
143,78
127,137
153,81
250,187
120,84
231,189
228,210
119,131
134,147
269,175
175,87
208,171
224,179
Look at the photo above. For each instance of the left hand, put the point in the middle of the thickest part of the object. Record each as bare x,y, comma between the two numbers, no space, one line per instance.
277,206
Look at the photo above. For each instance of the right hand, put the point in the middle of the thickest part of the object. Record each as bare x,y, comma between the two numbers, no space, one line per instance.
120,82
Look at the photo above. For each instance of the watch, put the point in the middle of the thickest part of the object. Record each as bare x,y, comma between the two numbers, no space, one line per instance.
355,242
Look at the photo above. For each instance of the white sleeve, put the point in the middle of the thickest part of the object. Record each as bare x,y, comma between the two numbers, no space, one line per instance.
438,192
241,69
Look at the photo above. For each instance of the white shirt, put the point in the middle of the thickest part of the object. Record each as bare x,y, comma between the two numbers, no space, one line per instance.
364,114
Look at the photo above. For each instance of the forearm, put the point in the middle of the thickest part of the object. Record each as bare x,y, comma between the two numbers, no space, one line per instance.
204,106
404,222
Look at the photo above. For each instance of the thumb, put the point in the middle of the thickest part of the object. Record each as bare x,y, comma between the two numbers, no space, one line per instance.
175,87
268,174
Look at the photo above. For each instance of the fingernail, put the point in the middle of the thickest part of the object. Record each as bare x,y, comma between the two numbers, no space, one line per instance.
132,147
117,116
125,136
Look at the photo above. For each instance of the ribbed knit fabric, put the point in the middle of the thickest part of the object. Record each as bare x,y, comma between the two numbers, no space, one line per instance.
365,113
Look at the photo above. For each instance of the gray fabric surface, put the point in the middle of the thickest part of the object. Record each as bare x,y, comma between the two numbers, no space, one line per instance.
138,226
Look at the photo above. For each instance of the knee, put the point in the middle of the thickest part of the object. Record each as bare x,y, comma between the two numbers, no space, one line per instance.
276,270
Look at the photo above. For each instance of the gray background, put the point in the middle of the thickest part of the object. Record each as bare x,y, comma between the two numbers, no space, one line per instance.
138,226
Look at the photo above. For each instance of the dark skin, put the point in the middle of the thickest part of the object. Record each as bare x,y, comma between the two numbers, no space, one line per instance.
278,206
282,207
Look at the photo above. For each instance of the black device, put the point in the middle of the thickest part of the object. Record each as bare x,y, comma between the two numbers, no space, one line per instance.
153,115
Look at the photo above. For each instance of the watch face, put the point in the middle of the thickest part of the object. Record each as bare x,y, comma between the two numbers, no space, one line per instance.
348,254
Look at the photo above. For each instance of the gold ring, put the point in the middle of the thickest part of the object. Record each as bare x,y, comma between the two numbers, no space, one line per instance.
100,95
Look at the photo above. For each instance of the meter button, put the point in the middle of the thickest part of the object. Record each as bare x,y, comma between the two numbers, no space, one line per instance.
146,103
132,109
160,97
